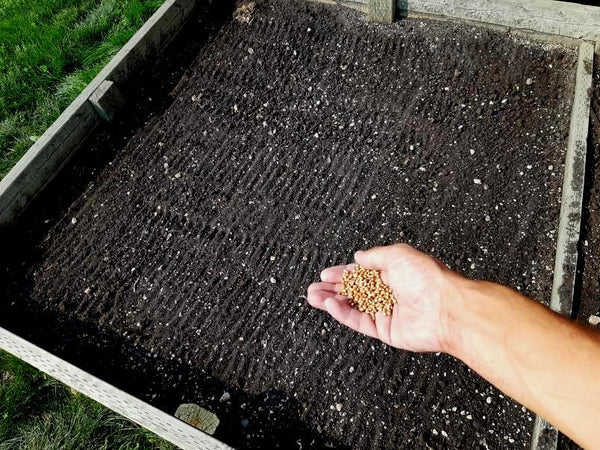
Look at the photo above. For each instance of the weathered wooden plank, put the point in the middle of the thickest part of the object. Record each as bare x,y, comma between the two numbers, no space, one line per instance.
157,421
107,100
381,10
542,16
573,185
545,16
545,436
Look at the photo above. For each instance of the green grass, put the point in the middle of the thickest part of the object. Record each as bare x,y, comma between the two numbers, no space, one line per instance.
49,51
38,412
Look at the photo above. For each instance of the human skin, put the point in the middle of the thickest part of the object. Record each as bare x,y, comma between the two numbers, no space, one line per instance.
546,362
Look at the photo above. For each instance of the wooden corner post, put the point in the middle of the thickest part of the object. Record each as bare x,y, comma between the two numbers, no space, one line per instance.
382,10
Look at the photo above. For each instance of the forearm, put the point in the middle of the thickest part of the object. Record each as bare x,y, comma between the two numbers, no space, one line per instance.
544,361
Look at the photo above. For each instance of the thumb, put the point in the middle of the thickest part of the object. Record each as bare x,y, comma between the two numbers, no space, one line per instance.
377,258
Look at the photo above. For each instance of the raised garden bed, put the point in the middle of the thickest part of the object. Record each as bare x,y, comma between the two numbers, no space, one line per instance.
172,255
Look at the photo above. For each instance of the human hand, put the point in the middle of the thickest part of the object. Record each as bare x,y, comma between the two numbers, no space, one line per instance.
422,286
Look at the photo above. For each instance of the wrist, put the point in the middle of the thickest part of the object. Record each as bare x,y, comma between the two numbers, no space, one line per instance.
459,293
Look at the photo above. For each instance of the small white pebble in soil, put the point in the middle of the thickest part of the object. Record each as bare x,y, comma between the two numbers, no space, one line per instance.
178,175
351,369
251,50
73,221
434,432
444,434
476,181
504,101
339,406
87,291
550,167
488,400
594,320
373,197
472,152
273,280
529,81
469,417
272,258
473,266
225,397
488,218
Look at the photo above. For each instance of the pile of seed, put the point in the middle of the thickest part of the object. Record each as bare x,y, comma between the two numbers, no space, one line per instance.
367,291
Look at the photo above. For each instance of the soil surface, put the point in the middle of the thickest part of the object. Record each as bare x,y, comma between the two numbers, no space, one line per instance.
173,255
589,287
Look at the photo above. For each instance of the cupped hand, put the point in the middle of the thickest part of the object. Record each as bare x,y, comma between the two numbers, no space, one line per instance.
422,286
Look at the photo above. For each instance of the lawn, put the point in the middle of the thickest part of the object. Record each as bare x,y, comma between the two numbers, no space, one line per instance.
38,412
49,51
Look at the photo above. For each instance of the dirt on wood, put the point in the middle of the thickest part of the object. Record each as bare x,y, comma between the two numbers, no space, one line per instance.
587,308
173,255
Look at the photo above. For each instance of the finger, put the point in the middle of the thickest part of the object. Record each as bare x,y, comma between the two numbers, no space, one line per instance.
341,311
322,286
316,299
383,324
334,274
378,257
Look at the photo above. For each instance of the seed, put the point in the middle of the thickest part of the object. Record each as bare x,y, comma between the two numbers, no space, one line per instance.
367,292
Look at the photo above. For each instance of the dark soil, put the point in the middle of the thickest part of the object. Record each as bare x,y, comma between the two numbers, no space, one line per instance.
589,300
275,149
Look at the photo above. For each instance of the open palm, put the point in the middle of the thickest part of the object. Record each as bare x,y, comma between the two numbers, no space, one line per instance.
421,287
